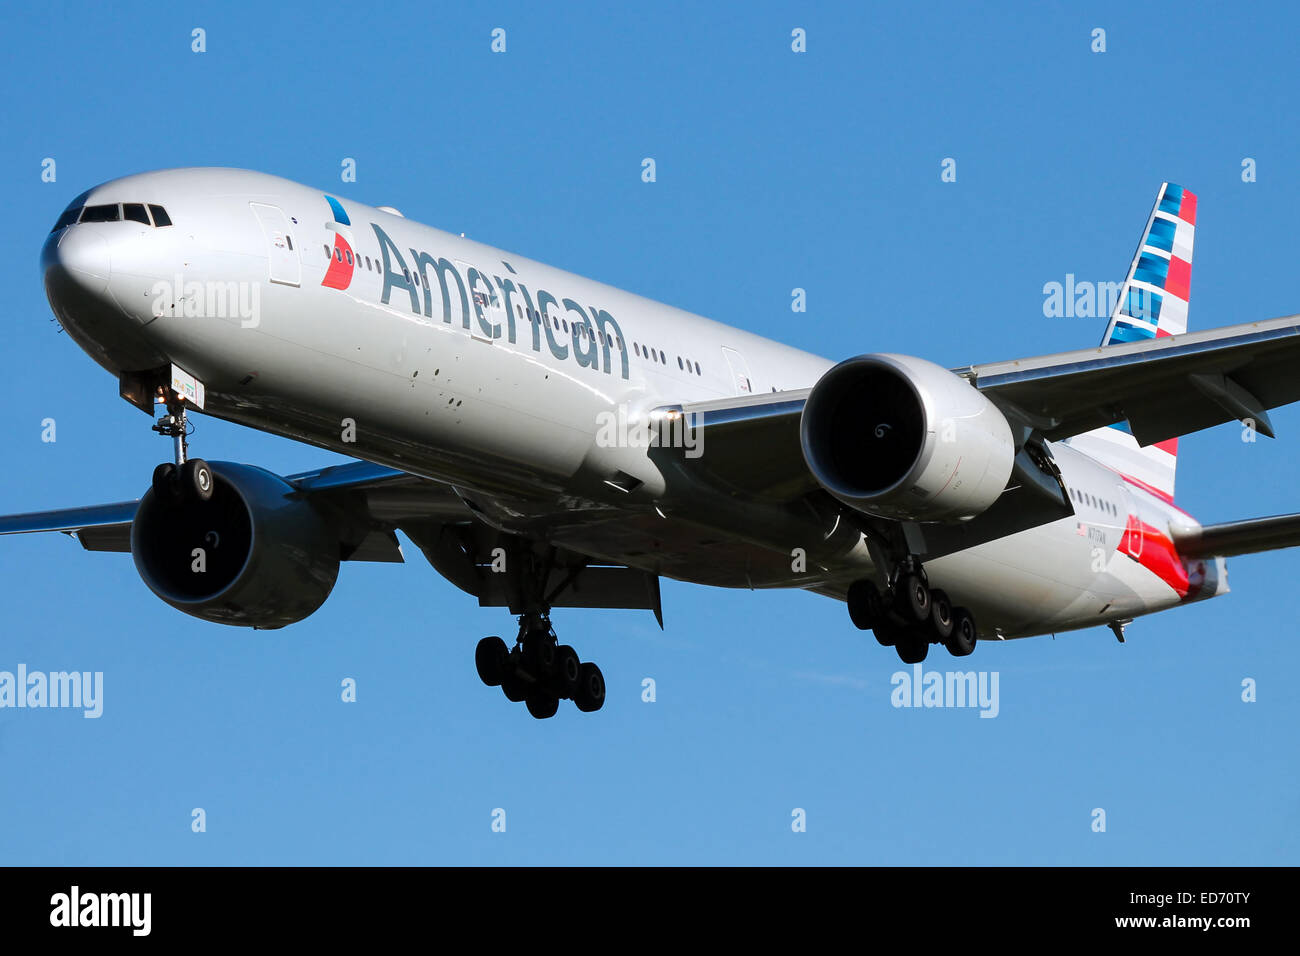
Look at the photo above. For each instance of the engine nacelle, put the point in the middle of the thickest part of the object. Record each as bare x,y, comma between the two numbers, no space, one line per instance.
900,437
257,554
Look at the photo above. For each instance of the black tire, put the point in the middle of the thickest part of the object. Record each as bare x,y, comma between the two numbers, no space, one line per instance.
590,695
490,660
197,482
866,608
888,633
539,655
512,685
915,597
964,633
541,704
568,670
912,647
166,482
941,615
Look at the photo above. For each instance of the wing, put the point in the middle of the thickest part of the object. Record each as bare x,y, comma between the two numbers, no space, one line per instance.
108,527
375,501
1163,387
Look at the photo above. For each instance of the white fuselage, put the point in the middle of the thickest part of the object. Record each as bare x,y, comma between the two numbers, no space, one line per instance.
354,336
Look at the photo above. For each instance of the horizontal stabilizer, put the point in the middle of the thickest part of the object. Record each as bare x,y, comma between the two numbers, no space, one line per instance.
1240,537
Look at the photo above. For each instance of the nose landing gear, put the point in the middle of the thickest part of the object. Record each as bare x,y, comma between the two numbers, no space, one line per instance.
185,479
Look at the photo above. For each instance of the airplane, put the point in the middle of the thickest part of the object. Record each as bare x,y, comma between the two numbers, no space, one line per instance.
548,441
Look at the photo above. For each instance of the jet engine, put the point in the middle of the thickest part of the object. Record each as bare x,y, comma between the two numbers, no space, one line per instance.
257,553
903,438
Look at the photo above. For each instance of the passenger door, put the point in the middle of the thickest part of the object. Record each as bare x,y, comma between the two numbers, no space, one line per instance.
739,371
286,268
482,297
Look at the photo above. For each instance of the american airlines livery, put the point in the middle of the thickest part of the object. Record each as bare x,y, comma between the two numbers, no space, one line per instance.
548,441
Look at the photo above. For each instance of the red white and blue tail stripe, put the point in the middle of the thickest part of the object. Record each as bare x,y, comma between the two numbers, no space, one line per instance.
1152,304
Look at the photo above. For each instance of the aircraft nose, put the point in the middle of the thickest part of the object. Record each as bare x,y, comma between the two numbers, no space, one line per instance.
84,255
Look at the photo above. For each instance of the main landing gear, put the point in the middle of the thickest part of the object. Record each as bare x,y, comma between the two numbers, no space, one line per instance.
538,670
910,615
185,479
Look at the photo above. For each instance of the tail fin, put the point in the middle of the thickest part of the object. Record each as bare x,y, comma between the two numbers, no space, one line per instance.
1152,304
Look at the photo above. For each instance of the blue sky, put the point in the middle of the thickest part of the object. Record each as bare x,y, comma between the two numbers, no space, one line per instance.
775,170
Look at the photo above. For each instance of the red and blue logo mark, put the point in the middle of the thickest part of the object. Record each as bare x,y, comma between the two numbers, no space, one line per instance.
339,274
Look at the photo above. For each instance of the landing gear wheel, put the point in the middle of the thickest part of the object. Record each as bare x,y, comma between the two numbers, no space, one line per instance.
568,670
941,615
887,634
490,660
590,695
541,704
912,647
166,482
539,652
196,480
964,634
865,604
916,597
512,685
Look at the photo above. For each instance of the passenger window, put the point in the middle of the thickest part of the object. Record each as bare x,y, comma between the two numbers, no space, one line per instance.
134,211
289,239
697,369
338,254
349,255
327,251
107,213
160,217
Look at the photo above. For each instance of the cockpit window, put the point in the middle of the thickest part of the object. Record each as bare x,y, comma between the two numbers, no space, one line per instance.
72,213
68,218
78,211
109,213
